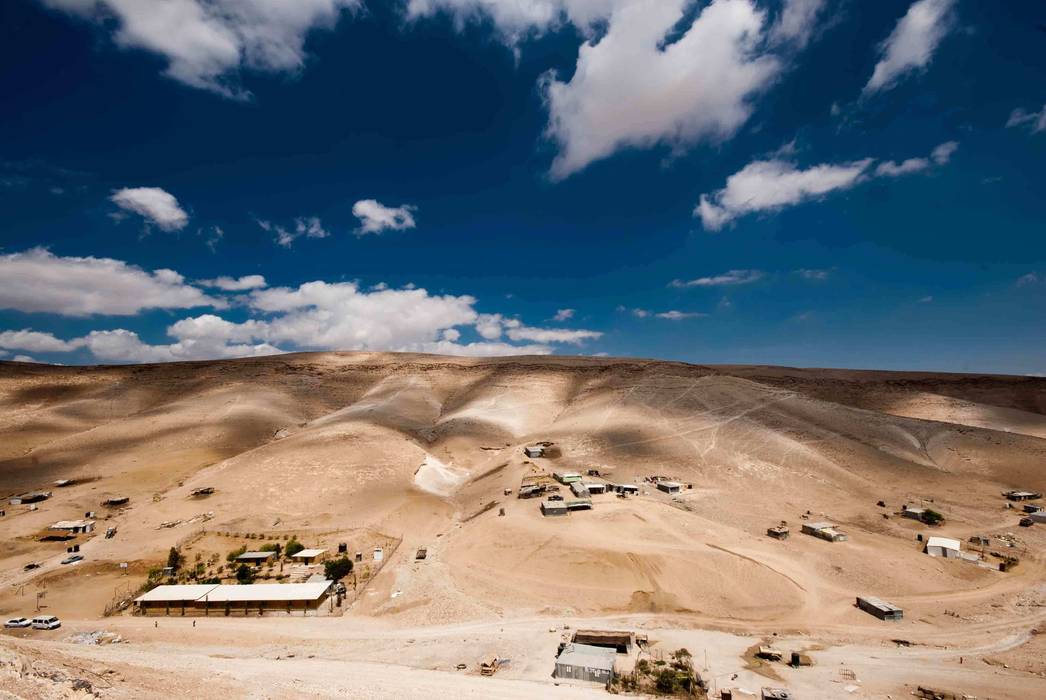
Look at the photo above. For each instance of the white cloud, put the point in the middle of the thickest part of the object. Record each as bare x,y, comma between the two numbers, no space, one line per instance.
797,21
563,315
153,204
34,341
232,284
911,45
771,185
813,274
518,19
375,217
39,281
674,315
1036,121
1030,278
552,335
729,278
23,358
125,346
206,42
926,299
631,90
307,226
940,156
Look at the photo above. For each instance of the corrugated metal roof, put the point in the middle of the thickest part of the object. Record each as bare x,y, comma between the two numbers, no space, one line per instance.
587,656
267,591
818,526
256,555
308,553
70,524
943,543
162,594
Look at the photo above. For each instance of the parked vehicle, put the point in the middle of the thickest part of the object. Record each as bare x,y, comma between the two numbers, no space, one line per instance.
17,622
46,622
73,558
30,566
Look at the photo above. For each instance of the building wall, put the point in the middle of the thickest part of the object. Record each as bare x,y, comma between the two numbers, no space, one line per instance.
582,673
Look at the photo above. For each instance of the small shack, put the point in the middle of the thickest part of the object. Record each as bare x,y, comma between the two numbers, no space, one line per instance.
579,489
880,608
308,556
566,477
531,490
579,504
913,513
1022,495
202,491
775,694
116,501
584,662
627,489
1032,508
778,532
825,531
669,486
255,558
534,451
595,487
943,547
551,508
31,497
620,641
74,527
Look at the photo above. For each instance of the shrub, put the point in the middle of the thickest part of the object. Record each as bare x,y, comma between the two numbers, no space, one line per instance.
666,681
271,547
244,574
293,547
235,553
174,559
337,569
932,517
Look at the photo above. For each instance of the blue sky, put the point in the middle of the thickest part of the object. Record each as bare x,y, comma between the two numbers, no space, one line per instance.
806,182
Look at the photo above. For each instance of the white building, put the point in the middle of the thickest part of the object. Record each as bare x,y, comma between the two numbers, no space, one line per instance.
943,547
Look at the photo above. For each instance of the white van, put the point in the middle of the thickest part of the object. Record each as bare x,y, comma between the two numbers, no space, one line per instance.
46,622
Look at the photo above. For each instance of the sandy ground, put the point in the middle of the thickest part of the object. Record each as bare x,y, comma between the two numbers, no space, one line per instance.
420,450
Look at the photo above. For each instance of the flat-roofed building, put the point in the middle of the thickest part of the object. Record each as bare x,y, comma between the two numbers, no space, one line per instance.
1022,495
579,489
943,547
584,662
595,487
255,558
825,531
533,451
552,508
880,608
669,486
74,527
579,504
307,556
224,599
620,641
566,477
629,489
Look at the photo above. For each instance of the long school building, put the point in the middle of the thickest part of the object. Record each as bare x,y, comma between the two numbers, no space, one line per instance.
224,600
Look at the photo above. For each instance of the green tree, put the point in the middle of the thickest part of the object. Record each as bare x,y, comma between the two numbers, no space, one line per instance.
231,556
932,517
337,569
271,547
293,547
174,559
244,574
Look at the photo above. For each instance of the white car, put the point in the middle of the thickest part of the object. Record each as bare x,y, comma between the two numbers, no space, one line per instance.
17,622
46,622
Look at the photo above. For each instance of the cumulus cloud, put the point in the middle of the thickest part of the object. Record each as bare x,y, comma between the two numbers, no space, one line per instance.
771,185
729,278
206,42
34,341
1036,121
1027,279
153,204
24,358
631,90
39,281
375,217
674,315
518,19
233,284
563,315
911,45
320,316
